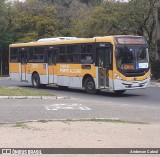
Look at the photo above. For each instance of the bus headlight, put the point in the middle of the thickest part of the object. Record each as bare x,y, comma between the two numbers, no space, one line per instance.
117,76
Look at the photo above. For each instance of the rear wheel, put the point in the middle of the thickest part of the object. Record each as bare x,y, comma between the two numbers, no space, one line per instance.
89,85
35,80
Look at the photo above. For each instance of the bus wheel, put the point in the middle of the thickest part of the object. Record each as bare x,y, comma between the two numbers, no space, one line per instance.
119,92
90,86
36,80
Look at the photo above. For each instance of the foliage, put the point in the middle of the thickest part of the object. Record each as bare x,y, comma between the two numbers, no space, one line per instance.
102,20
4,37
33,19
156,69
142,19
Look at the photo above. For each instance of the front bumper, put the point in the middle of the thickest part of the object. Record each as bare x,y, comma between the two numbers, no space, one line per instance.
127,85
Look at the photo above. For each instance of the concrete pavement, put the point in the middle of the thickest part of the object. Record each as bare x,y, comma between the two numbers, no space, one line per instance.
82,106
106,132
86,134
15,110
155,83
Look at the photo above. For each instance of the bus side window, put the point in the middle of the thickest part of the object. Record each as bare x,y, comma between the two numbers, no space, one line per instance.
62,54
87,54
50,61
54,56
14,55
62,58
39,56
30,55
73,54
70,50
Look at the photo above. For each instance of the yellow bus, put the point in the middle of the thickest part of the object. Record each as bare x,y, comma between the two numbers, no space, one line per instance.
115,63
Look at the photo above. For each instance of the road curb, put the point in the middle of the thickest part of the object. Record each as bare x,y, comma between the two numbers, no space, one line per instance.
5,78
34,97
155,84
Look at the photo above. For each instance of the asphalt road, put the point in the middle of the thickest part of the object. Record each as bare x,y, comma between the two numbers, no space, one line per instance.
136,105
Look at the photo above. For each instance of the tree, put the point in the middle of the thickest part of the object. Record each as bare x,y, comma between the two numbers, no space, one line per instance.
34,19
4,40
2,21
142,20
92,2
101,20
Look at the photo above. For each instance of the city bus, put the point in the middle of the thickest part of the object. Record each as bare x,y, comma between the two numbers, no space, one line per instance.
114,63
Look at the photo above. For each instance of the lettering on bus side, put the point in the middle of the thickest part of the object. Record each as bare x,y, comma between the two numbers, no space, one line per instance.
67,69
35,66
75,71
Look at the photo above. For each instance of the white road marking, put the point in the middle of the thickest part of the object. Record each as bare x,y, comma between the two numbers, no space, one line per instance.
56,107
131,105
124,105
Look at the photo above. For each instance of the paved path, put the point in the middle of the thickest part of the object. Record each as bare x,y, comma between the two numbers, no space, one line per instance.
29,110
136,105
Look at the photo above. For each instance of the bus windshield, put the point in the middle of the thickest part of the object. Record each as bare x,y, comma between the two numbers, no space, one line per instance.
132,57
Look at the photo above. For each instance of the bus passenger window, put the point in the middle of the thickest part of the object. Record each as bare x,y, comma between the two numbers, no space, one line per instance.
61,58
50,58
23,56
73,54
86,59
39,55
87,54
14,56
30,55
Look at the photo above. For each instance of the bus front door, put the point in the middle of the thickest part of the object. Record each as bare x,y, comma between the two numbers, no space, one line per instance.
103,56
23,62
51,57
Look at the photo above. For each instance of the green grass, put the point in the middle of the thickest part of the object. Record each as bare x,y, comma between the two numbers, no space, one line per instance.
21,125
93,120
18,91
116,121
43,121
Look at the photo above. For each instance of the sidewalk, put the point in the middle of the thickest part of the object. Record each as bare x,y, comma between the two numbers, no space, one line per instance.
80,134
155,83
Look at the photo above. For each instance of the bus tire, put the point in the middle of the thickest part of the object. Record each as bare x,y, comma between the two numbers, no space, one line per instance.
89,85
36,80
119,92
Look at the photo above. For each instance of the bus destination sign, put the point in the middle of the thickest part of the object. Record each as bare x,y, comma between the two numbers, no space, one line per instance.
131,40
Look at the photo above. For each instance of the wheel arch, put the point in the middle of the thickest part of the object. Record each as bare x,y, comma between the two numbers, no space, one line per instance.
85,77
35,72
35,78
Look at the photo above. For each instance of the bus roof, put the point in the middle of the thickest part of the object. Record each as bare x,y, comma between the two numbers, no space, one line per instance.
69,40
42,42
